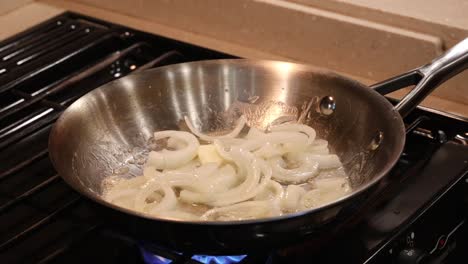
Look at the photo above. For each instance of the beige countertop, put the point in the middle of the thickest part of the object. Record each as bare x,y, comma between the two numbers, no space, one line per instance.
32,13
448,12
24,17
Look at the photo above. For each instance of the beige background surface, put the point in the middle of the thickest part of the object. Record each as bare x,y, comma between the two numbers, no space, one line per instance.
271,29
24,17
9,5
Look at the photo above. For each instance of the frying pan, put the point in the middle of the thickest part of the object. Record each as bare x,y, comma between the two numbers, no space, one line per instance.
99,134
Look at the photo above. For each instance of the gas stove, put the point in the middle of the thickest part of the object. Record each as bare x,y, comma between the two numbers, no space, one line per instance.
417,215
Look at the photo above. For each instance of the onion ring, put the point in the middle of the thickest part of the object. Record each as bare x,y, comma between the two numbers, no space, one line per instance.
237,129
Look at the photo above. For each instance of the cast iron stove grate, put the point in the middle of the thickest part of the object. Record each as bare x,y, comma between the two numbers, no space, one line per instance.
43,70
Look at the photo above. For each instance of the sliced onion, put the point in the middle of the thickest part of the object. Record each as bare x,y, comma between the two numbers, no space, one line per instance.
335,184
237,129
167,202
318,197
122,188
240,211
327,190
224,179
206,169
178,215
252,184
150,172
272,144
268,150
196,180
188,183
306,170
286,141
188,167
176,143
167,159
330,161
319,147
126,183
117,194
222,149
292,197
310,132
272,191
246,186
125,201
254,133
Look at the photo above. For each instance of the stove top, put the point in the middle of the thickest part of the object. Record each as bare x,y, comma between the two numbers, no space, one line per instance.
417,216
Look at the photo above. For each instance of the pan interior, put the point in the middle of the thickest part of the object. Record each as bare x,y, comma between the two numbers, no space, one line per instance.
106,133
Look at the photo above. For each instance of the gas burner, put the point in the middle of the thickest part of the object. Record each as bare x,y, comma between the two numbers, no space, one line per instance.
150,257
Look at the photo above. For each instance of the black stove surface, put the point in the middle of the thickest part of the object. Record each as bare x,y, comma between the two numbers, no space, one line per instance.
416,216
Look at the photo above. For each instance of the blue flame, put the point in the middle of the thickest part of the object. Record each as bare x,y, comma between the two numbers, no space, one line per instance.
218,259
151,258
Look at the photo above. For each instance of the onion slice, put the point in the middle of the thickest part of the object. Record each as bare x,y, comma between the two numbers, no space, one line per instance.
306,170
240,211
167,159
237,129
291,198
310,132
257,175
167,202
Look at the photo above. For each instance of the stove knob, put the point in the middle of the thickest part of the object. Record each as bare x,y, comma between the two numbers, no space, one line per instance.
411,256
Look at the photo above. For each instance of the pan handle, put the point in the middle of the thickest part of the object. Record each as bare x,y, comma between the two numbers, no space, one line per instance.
427,77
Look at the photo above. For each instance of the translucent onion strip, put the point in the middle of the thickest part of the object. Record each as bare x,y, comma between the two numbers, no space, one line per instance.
310,132
325,161
237,129
262,174
168,200
256,174
178,215
306,170
326,191
291,198
167,159
240,211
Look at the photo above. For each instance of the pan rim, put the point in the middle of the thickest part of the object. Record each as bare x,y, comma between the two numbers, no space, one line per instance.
397,150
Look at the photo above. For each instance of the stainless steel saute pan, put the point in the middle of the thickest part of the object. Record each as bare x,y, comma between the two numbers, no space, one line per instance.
94,137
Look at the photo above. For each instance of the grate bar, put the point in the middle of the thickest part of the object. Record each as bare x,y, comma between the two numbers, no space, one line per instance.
29,120
32,34
82,74
35,42
66,81
28,193
56,253
37,225
34,50
45,121
158,60
5,109
35,72
20,93
53,104
23,164
61,41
